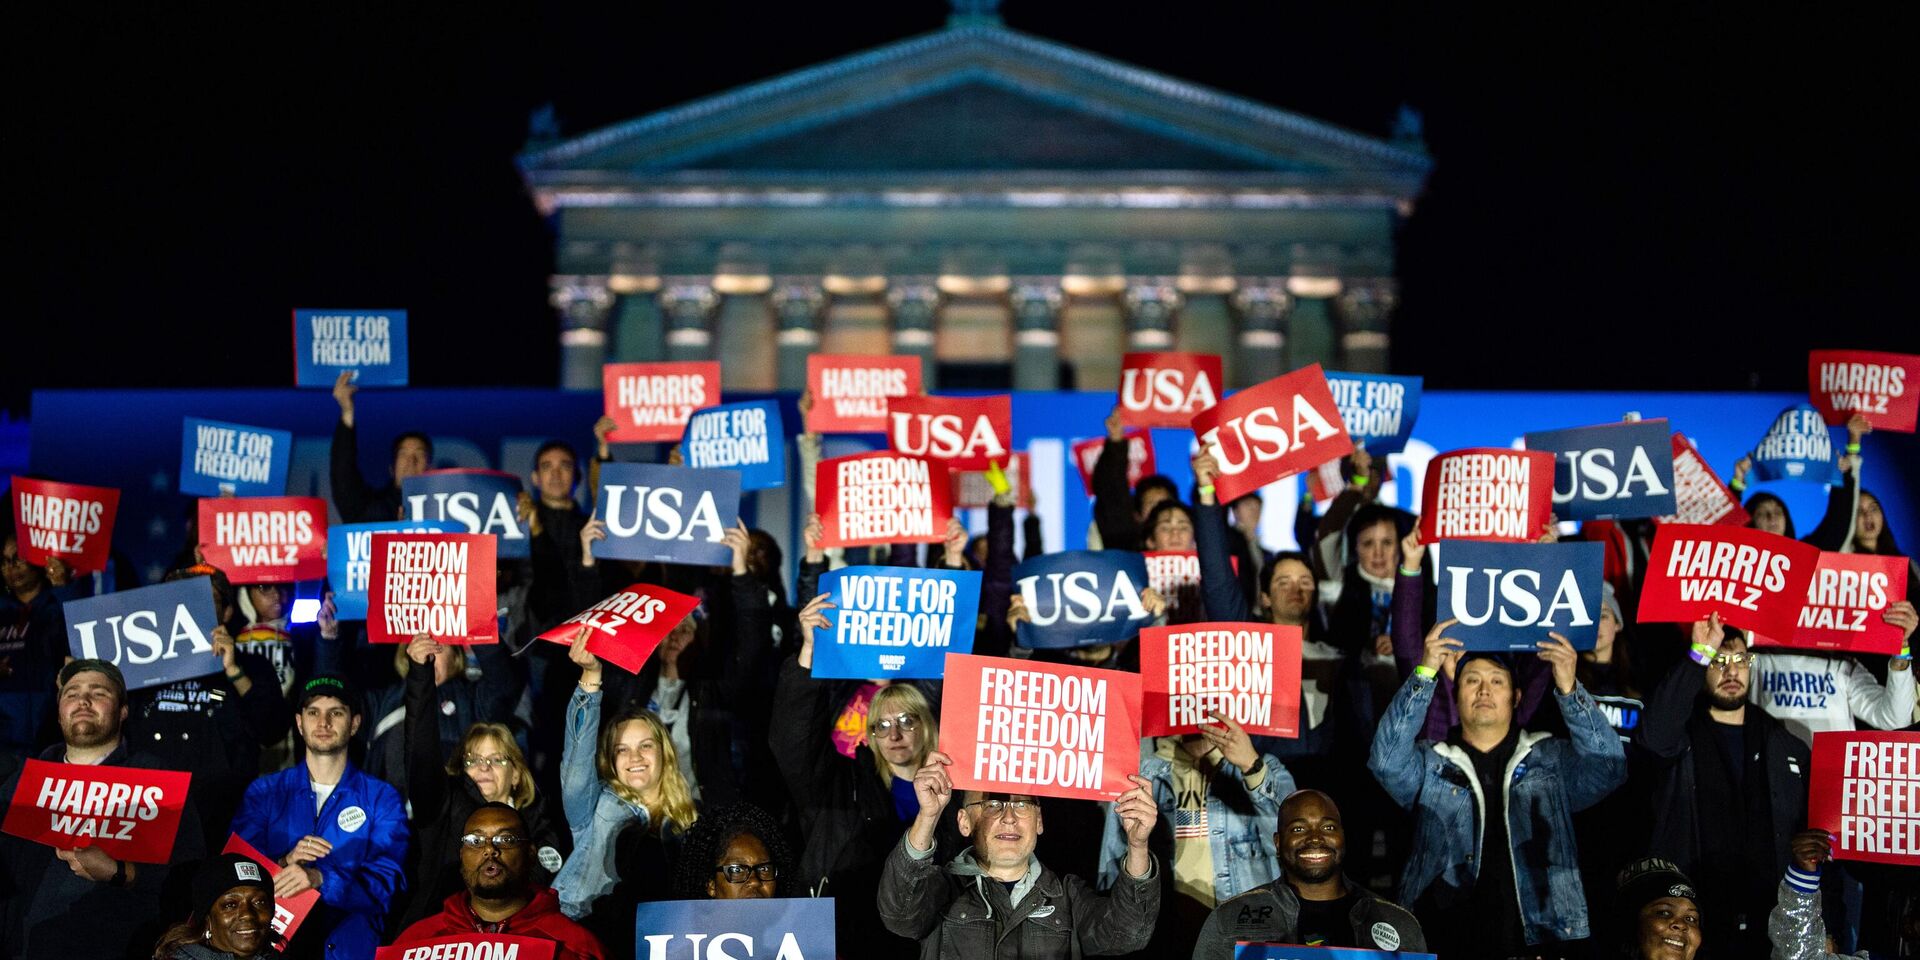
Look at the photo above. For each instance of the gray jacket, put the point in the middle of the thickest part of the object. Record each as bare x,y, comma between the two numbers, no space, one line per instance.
1796,929
959,913
1271,914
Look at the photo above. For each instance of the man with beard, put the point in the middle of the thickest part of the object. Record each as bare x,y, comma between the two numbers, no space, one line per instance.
82,902
1729,787
496,864
1312,903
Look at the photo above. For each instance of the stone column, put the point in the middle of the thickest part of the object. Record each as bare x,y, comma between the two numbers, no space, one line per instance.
1036,333
916,305
1365,309
1151,302
688,303
1260,352
1311,324
798,306
582,303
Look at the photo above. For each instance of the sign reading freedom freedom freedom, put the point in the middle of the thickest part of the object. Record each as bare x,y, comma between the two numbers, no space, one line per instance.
1043,729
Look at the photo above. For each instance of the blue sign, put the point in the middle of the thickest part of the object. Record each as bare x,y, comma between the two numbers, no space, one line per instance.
1509,596
350,559
155,635
895,622
1379,410
1082,598
738,436
1613,471
799,928
1280,951
1797,447
370,343
227,459
476,501
667,514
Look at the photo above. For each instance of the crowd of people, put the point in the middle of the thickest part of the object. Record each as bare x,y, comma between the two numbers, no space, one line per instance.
1640,799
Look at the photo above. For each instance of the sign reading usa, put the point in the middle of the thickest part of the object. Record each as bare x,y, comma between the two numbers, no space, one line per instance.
350,559
1086,455
1510,596
1285,426
1249,672
67,520
1486,493
1755,580
1863,790
1167,389
851,393
1876,385
1081,598
895,622
1049,730
469,946
155,635
371,344
739,436
667,514
1698,494
130,813
265,539
479,501
965,432
439,584
1283,951
1612,471
879,498
1847,604
781,928
226,459
650,402
628,625
1378,410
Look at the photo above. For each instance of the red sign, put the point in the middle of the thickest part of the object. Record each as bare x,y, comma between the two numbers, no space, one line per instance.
1285,426
1755,580
1487,493
1086,454
471,946
650,402
1175,574
1698,494
439,584
130,813
972,489
1324,482
965,432
1865,790
1847,604
288,912
628,625
1883,386
1042,729
65,520
880,498
265,539
1247,671
1167,389
851,393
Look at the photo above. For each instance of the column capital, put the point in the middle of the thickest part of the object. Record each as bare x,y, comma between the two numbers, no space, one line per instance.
568,290
1151,302
689,303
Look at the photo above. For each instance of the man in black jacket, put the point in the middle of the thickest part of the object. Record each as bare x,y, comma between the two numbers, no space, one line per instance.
1311,903
357,500
1729,788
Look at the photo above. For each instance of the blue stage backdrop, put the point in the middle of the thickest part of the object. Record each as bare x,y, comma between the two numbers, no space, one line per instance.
130,439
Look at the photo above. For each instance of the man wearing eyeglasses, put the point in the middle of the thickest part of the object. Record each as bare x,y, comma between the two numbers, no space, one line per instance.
496,863
996,899
1729,788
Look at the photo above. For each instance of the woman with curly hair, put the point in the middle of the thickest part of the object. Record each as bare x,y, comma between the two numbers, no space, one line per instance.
737,853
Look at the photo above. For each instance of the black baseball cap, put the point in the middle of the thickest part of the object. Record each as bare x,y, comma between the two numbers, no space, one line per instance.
327,685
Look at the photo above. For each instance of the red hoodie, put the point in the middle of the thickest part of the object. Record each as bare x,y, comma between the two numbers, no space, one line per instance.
540,918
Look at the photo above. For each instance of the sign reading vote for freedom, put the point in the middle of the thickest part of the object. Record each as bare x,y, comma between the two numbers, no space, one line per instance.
1797,447
1510,596
1285,426
739,436
1167,389
265,539
1051,730
480,501
1486,493
1698,494
1616,470
155,635
1865,790
1286,951
67,520
895,622
1847,604
288,912
439,584
879,498
966,433
1755,580
1249,672
226,459
1086,455
1879,386
1082,598
780,928
668,514
130,813
471,946
851,393
350,559
1378,410
371,344
650,402
628,625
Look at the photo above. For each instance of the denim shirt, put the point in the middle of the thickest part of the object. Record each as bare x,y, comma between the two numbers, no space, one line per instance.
594,813
1547,780
1239,821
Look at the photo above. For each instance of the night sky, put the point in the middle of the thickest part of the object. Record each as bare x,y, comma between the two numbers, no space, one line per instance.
1672,199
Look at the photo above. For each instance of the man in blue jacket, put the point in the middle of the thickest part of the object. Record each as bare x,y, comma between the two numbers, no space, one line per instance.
1494,871
331,826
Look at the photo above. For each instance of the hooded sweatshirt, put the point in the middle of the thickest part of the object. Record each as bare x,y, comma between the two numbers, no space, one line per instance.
540,918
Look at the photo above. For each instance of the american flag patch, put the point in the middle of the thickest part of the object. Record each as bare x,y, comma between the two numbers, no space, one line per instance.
1190,824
